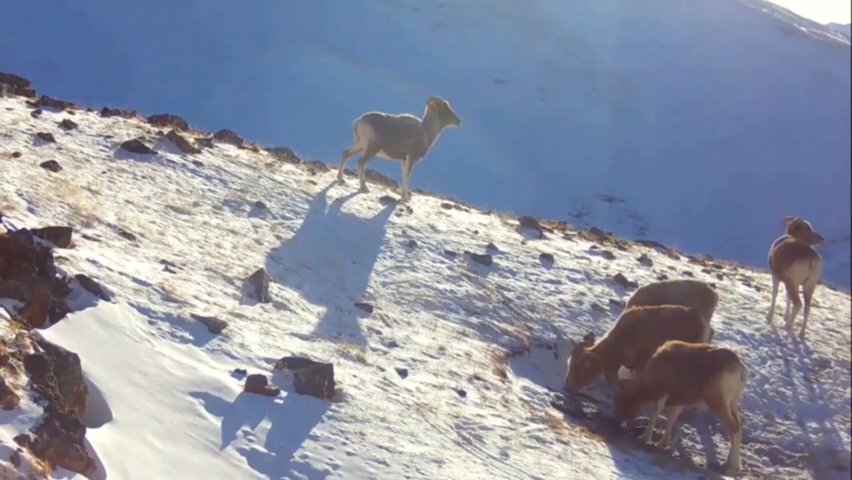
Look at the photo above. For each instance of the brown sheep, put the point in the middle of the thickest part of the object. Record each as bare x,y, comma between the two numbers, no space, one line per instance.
687,375
401,137
636,335
794,261
689,293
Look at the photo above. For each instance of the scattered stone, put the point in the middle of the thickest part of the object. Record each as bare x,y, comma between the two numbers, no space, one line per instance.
387,200
599,234
258,383
315,380
168,120
662,277
94,287
402,372
240,371
16,155
126,235
616,302
136,146
412,243
46,137
116,112
545,257
60,237
19,85
688,273
213,324
720,276
250,147
260,205
256,288
460,392
446,205
206,142
68,124
228,136
623,281
706,270
182,143
450,253
607,255
51,166
365,307
294,363
598,307
45,101
284,154
481,258
36,113
645,260
491,247
531,223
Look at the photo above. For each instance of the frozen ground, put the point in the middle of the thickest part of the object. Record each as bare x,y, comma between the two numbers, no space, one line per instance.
452,376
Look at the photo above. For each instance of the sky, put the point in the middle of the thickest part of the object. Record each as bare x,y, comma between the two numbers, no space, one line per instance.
821,11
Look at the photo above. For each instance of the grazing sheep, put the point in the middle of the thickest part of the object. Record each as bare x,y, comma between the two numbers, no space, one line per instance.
402,137
636,335
688,293
682,375
794,261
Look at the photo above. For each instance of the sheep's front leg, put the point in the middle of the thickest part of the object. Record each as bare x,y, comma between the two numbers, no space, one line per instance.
407,166
652,422
773,297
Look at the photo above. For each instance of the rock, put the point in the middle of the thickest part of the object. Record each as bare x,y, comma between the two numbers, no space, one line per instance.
58,236
623,281
93,286
365,307
182,143
168,120
447,206
46,137
284,154
482,258
228,136
545,257
687,273
412,243
607,255
645,260
450,253
51,166
616,303
315,380
68,124
662,277
9,400
56,376
260,205
490,247
256,288
598,307
402,372
136,146
460,392
45,101
19,85
213,324
16,155
36,113
115,112
28,274
259,384
599,234
240,371
531,223
294,363
126,235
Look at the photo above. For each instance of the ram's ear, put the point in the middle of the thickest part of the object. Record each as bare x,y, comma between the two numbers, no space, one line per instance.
788,220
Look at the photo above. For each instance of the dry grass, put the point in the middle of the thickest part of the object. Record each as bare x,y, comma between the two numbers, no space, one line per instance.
352,351
500,364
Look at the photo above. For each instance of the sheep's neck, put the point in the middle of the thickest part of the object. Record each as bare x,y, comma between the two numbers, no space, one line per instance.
432,128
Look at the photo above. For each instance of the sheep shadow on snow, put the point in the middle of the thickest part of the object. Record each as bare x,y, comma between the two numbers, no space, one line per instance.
329,260
287,422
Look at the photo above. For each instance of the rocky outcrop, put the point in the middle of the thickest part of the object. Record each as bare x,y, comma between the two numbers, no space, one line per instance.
53,378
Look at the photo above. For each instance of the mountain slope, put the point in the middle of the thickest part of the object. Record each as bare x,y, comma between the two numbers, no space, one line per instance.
456,372
707,116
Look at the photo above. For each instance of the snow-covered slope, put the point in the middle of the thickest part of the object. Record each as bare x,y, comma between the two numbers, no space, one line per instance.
454,375
702,116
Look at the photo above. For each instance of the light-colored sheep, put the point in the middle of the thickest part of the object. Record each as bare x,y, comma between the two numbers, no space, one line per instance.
688,375
794,261
402,137
686,292
634,338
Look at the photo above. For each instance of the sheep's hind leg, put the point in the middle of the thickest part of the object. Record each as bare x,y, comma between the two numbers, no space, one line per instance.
352,150
775,283
368,155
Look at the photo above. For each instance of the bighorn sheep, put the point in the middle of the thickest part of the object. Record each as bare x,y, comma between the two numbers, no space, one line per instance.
634,338
402,137
688,293
680,375
794,261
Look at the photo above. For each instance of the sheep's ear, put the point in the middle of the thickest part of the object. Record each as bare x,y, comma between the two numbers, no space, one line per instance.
788,220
